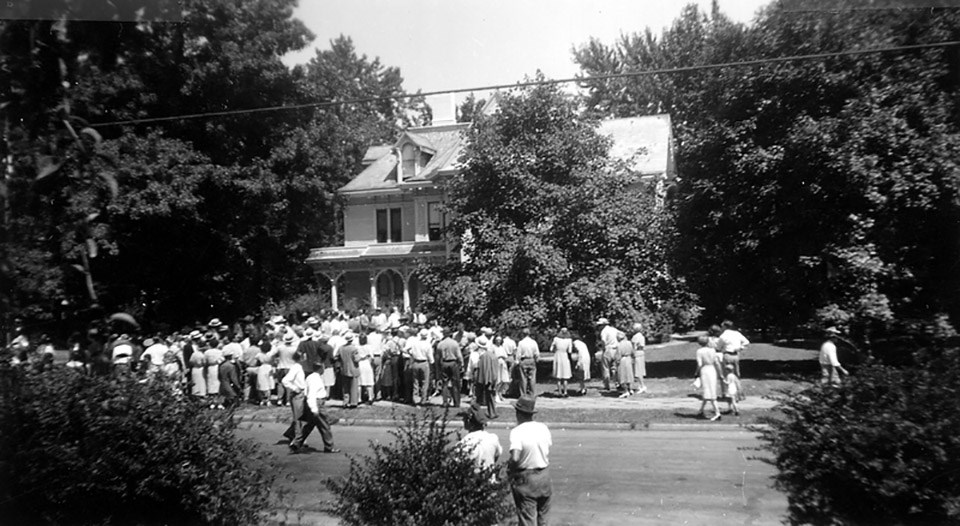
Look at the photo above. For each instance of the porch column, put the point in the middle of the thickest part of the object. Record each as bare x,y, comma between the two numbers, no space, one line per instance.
373,288
406,290
334,297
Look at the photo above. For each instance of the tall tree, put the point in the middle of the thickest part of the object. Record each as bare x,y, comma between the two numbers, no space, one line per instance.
555,231
816,190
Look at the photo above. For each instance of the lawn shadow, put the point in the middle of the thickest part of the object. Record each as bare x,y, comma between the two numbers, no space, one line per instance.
752,369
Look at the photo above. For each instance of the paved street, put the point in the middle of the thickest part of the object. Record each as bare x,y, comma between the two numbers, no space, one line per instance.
600,476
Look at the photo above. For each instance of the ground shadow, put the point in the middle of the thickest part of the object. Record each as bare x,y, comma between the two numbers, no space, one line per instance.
754,369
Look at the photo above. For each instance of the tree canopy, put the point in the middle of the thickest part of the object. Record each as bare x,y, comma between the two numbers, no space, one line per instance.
555,232
212,216
822,191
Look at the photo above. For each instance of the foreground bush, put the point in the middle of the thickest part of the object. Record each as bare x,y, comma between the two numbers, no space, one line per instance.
882,449
422,478
84,450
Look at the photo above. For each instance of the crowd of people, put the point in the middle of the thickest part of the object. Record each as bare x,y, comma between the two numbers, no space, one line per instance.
363,357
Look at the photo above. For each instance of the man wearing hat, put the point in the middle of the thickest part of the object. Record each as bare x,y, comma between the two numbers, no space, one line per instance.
830,367
313,414
482,446
350,371
285,349
528,465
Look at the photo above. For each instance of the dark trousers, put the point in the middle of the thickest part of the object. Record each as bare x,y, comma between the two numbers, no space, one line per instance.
528,377
421,381
531,494
297,406
450,374
486,395
313,420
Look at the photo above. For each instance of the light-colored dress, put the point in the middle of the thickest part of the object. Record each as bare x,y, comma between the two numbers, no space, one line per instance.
707,365
365,365
561,348
214,358
198,379
501,353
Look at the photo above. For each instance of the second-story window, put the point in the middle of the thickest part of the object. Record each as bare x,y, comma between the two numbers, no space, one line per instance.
435,221
389,225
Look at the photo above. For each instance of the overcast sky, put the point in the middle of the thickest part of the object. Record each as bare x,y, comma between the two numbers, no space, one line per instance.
448,44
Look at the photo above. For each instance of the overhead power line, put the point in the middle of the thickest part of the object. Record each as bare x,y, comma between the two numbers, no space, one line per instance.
595,78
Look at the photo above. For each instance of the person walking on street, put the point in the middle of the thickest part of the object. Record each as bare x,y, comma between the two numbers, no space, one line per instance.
830,367
313,415
295,383
528,352
451,363
529,464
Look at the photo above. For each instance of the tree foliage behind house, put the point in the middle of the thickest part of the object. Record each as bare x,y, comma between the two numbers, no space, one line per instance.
823,190
555,233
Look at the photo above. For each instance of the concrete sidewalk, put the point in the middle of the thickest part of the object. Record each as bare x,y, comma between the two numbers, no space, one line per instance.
592,401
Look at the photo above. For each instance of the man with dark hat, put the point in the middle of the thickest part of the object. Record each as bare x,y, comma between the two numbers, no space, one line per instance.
528,466
482,446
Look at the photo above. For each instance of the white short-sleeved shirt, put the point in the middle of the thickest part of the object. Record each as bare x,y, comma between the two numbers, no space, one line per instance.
828,354
533,441
638,341
732,341
483,447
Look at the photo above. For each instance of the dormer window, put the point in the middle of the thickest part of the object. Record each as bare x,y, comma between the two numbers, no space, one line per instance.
409,163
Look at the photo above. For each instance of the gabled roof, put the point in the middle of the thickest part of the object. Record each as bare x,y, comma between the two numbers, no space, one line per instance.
445,141
645,143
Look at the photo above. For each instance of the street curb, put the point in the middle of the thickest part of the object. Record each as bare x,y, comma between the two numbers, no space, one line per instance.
494,424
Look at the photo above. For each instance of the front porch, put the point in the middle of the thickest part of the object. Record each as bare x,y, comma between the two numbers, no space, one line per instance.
378,275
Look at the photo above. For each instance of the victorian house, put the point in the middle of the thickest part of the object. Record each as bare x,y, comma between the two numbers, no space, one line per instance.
392,218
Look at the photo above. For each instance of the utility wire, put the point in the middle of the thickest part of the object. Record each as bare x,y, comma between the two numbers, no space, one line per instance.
584,80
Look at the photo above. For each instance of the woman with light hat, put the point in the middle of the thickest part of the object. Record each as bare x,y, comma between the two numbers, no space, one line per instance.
214,357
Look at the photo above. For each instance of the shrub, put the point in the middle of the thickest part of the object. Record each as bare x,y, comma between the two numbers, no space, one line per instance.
422,478
76,449
884,448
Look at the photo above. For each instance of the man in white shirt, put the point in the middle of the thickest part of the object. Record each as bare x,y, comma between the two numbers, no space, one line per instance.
421,356
732,344
155,350
313,414
295,383
608,358
528,466
528,352
830,367
482,446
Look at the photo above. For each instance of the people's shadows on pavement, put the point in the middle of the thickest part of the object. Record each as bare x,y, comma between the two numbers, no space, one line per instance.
694,415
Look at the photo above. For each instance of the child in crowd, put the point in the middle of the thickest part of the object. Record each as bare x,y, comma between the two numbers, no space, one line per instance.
265,378
733,388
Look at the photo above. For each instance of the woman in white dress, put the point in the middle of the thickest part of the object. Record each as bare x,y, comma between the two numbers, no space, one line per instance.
707,370
365,365
561,347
